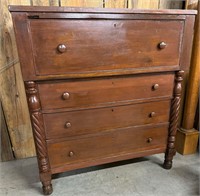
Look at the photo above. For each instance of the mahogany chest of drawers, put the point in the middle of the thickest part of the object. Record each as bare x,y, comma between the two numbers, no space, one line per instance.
102,85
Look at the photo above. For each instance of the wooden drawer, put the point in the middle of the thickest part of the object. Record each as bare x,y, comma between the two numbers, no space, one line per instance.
89,121
116,143
85,93
91,46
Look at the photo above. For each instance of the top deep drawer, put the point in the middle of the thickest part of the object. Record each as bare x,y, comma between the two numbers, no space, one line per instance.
85,46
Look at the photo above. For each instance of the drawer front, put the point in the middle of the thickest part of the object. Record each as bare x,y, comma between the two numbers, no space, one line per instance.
117,143
80,94
87,46
89,121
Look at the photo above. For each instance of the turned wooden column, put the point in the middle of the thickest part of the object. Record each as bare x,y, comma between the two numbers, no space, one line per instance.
187,136
39,135
174,115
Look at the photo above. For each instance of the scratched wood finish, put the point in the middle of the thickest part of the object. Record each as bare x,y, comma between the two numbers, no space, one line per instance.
114,144
103,119
113,49
100,92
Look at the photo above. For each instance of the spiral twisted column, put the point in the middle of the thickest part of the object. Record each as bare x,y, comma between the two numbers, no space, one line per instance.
39,135
174,114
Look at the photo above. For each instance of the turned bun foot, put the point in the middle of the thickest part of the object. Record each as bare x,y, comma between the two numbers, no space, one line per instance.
167,165
47,190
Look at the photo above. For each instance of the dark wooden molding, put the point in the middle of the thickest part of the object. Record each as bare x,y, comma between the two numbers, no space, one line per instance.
55,9
39,135
174,116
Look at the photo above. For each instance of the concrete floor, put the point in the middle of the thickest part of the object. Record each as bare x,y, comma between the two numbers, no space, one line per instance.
137,177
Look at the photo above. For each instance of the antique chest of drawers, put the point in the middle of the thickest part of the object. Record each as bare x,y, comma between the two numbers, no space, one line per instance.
102,85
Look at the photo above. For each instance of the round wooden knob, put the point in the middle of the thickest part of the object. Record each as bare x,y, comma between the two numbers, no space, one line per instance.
162,45
155,86
149,140
152,114
65,95
68,125
71,154
61,48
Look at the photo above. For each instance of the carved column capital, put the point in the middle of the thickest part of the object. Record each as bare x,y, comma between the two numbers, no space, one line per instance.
178,82
32,96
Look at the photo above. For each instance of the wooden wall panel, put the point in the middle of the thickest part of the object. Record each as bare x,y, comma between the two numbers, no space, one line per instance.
40,2
6,146
12,87
82,3
116,3
170,4
54,2
143,4
191,4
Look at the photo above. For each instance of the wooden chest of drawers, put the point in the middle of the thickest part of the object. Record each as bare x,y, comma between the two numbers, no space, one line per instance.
102,84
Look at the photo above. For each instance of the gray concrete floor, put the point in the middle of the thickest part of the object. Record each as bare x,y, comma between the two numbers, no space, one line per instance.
136,177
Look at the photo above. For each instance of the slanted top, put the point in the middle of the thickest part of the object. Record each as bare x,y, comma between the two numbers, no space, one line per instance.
51,9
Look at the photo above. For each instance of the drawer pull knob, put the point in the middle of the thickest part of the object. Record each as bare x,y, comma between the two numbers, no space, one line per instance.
61,48
149,140
155,86
162,45
152,114
65,95
68,125
71,154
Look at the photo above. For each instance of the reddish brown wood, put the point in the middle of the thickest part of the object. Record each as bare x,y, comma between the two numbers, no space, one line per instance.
186,51
136,154
103,45
174,115
92,121
100,82
98,10
115,143
26,58
104,16
101,92
39,135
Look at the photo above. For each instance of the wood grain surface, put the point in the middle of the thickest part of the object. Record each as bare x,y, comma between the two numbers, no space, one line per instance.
6,146
112,144
124,45
100,92
102,119
82,3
